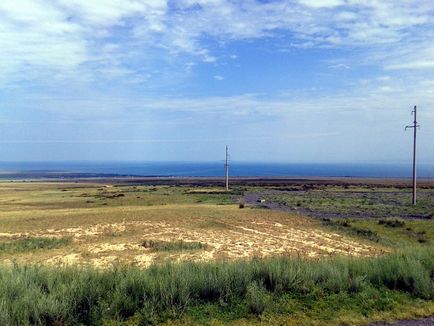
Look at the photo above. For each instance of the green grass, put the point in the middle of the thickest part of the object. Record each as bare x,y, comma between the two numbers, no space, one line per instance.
327,291
35,295
175,245
43,196
347,226
33,243
363,202
391,232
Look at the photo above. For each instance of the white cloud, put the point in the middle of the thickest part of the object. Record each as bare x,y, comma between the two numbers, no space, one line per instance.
218,77
423,64
321,3
339,66
80,38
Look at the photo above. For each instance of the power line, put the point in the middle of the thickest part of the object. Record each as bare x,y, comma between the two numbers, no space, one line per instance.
227,168
414,126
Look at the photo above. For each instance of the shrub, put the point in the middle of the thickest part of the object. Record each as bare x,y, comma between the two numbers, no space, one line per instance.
178,245
345,223
394,223
257,298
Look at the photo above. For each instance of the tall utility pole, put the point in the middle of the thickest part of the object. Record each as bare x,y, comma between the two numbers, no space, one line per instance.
414,126
227,168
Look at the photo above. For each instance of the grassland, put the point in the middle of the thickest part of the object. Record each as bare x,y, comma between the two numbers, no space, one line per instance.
356,201
91,253
107,225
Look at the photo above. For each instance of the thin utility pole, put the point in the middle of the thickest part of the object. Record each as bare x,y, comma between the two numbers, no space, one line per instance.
227,168
414,126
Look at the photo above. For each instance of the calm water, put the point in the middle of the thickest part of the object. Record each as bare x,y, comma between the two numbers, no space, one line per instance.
217,169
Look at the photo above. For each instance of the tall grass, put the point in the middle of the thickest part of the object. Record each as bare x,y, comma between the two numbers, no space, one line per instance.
36,295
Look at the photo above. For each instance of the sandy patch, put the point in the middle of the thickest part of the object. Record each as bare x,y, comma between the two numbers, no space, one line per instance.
242,235
65,260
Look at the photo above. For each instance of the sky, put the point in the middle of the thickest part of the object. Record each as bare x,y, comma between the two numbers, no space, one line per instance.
158,80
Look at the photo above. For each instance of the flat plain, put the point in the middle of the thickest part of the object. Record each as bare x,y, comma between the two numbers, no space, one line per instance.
107,225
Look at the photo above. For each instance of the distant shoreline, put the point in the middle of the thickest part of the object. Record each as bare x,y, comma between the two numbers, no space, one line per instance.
55,170
101,178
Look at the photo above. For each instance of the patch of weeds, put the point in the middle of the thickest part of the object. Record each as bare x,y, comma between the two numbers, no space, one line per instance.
178,245
419,236
392,223
345,223
351,229
257,298
30,243
366,233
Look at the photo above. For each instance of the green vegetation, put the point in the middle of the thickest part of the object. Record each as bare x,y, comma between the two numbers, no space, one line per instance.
179,245
241,289
29,244
40,195
348,202
111,220
348,227
392,232
393,223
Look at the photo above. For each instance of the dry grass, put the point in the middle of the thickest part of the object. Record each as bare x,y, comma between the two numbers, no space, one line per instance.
110,229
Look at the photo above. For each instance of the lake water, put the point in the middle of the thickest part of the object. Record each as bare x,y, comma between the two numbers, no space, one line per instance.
200,169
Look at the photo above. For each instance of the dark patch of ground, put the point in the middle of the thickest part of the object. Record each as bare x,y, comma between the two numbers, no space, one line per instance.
280,183
418,322
345,202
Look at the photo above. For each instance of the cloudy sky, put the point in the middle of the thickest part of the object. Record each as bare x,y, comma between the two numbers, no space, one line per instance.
288,81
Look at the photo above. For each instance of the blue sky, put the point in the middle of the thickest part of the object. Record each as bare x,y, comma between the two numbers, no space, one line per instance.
285,81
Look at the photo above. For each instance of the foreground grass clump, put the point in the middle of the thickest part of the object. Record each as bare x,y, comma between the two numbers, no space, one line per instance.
178,245
28,244
32,295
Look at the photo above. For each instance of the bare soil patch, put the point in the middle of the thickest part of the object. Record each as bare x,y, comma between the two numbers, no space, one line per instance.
226,232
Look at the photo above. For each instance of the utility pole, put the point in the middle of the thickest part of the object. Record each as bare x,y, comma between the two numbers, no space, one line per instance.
414,126
227,168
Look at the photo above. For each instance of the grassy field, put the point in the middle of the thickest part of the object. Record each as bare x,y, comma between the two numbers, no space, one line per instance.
352,201
107,225
86,245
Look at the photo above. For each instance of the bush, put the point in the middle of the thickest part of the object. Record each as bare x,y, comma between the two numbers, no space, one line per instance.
394,223
257,298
